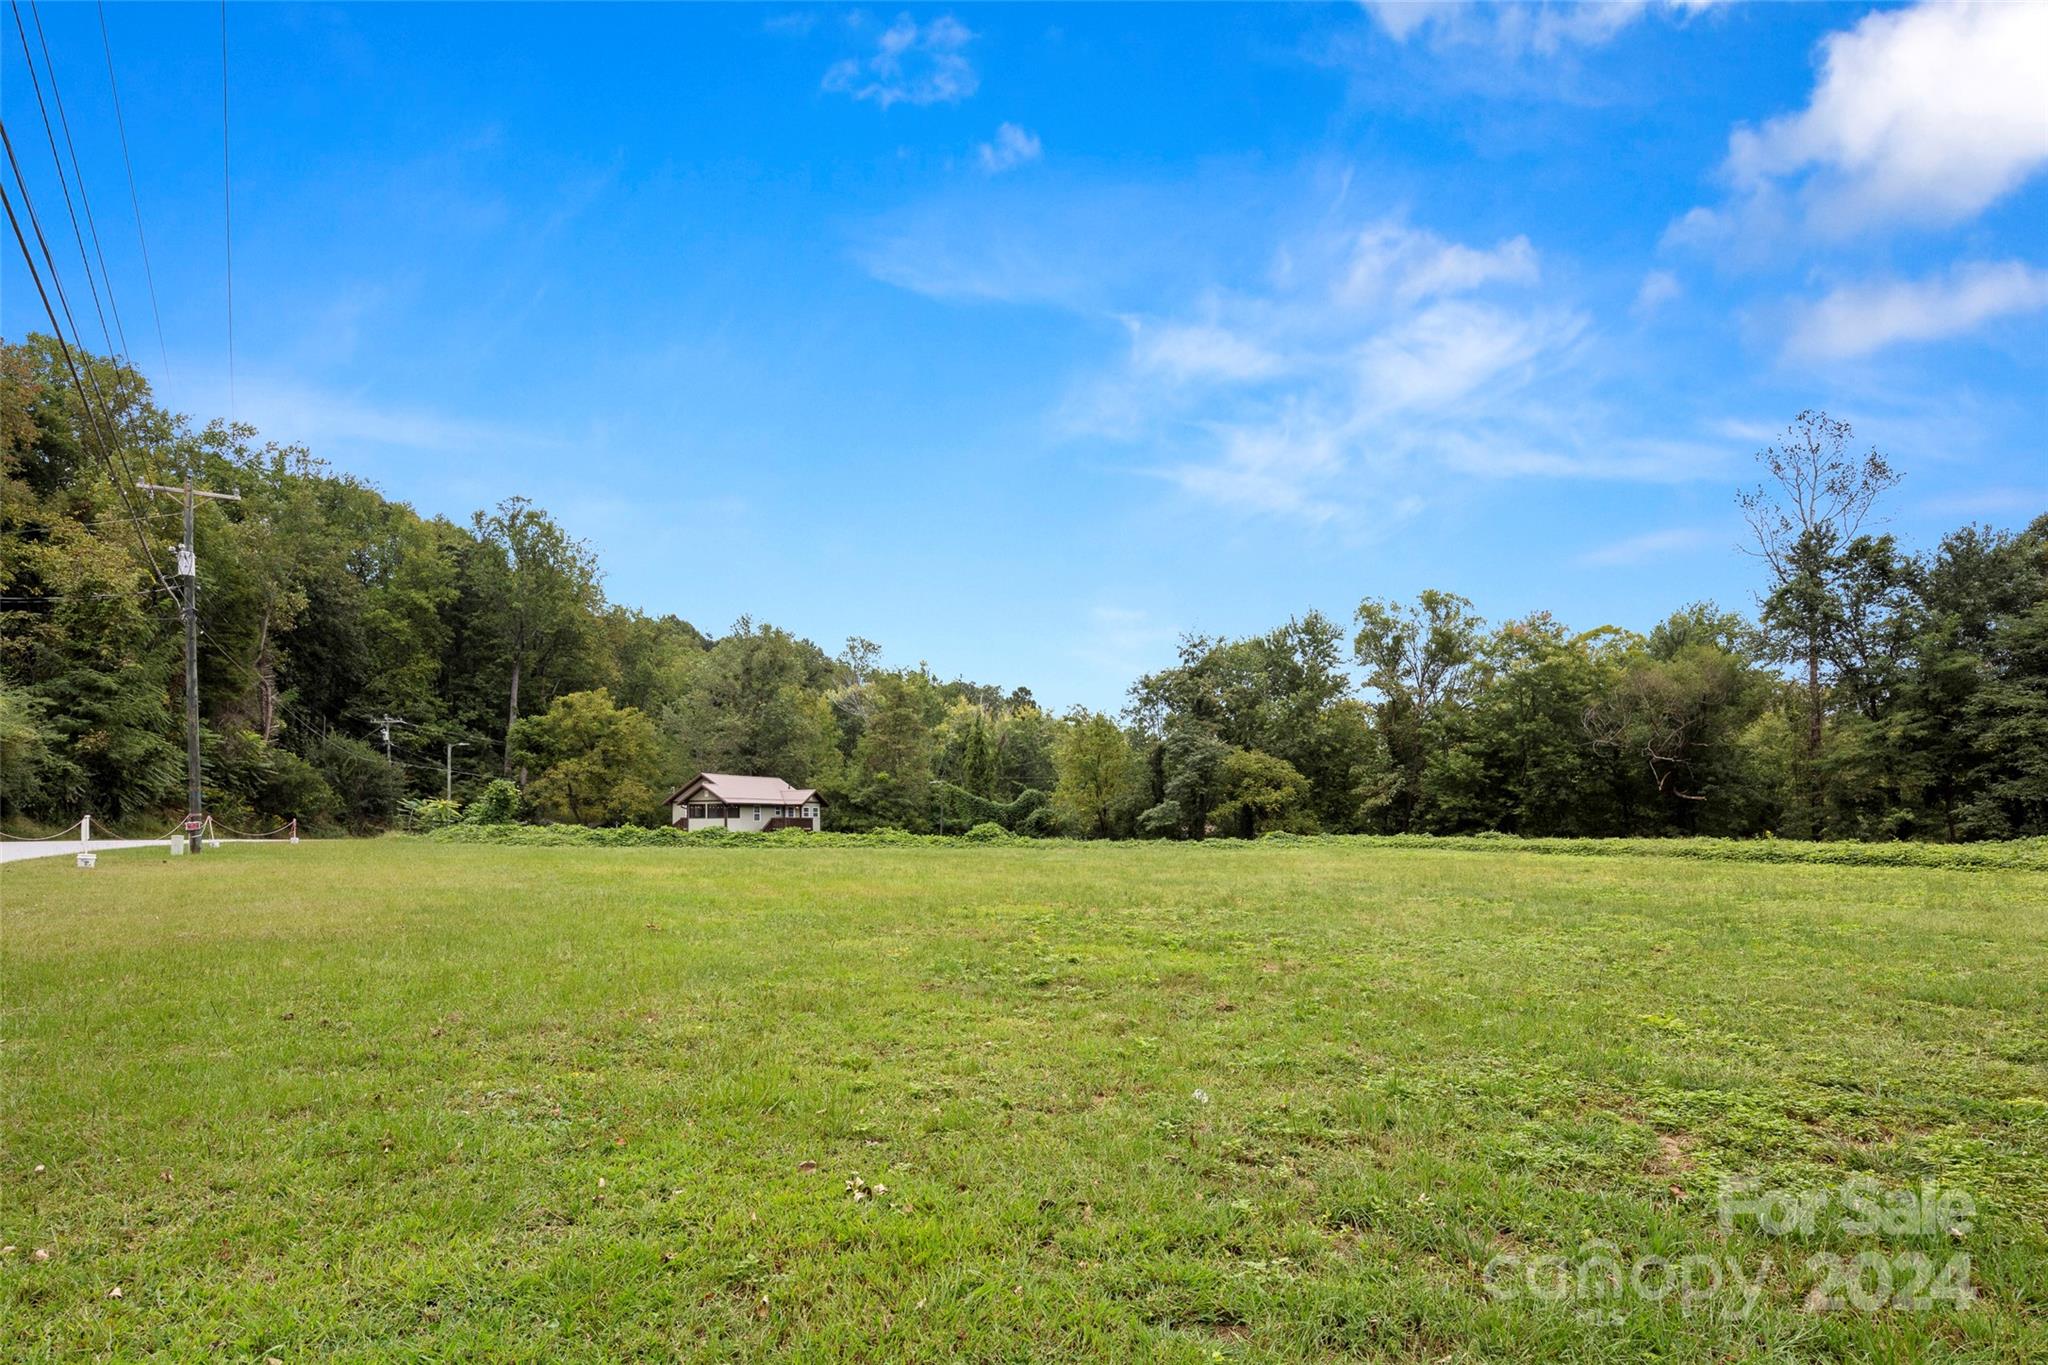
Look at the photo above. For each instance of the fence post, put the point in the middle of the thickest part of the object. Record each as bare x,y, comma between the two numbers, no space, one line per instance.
85,830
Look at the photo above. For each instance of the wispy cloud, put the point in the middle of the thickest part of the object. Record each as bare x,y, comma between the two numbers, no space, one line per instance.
1015,240
1539,28
911,63
1326,368
1392,261
1370,356
329,421
1859,319
1658,288
1012,146
1198,351
1651,547
2003,500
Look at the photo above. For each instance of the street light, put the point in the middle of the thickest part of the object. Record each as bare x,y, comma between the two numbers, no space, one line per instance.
449,790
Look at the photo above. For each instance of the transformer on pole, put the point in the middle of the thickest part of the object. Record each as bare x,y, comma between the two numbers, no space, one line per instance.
188,570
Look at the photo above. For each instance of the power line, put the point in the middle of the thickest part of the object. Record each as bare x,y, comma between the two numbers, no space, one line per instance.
86,596
313,723
94,423
227,203
57,160
36,222
84,195
59,523
110,453
134,199
109,449
56,278
140,516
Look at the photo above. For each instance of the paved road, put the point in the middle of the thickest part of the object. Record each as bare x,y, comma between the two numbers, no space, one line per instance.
14,851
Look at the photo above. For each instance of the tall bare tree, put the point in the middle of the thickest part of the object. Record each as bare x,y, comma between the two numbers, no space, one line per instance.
1815,501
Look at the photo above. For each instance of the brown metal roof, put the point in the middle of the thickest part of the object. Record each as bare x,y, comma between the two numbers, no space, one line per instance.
735,789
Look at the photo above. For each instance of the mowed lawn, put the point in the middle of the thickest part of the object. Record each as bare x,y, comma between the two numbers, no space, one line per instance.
401,1100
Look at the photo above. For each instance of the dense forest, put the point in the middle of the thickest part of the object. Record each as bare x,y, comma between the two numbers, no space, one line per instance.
1877,692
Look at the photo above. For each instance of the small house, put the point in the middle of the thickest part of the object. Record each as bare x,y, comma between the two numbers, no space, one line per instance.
735,801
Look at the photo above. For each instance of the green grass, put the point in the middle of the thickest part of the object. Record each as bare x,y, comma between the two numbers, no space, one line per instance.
416,1100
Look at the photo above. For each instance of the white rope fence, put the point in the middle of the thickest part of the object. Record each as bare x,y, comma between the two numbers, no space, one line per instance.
87,847
286,833
46,838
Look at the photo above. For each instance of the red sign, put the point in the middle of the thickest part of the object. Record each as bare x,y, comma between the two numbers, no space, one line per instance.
194,823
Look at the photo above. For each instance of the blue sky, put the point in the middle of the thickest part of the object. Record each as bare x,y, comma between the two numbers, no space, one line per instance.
1021,340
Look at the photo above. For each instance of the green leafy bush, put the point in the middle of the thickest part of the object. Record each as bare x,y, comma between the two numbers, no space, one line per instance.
435,814
497,804
988,832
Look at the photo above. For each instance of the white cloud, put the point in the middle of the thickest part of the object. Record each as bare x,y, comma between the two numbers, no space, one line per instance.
1658,288
1348,368
1389,260
1013,239
1647,548
1450,350
1926,115
1543,29
1404,18
1859,319
1013,146
912,64
1275,468
1376,362
1198,350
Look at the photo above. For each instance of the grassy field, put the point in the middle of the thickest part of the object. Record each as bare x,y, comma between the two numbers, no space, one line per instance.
402,1100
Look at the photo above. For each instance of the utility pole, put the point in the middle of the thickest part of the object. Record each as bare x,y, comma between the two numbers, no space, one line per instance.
448,793
385,723
188,569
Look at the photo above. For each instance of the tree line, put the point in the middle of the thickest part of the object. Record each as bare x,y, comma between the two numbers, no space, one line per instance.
1877,692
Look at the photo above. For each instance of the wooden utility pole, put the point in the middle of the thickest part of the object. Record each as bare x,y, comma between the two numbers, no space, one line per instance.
188,569
384,724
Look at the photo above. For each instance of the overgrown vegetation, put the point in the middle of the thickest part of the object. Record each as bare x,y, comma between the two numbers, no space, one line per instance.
1917,705
1264,1100
2025,854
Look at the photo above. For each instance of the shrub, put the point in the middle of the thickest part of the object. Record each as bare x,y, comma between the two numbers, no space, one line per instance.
988,832
498,804
435,814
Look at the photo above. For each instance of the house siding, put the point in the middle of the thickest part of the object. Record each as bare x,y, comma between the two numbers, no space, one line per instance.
749,818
